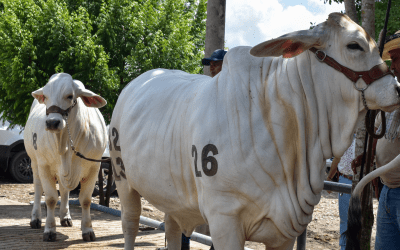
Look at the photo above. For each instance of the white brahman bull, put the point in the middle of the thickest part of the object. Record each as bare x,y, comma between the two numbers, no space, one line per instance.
244,151
48,145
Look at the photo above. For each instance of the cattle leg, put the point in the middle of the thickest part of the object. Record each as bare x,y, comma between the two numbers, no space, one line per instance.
131,208
172,233
51,198
226,233
85,199
36,219
65,217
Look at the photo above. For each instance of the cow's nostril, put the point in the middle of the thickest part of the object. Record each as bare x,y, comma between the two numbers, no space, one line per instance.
52,123
398,90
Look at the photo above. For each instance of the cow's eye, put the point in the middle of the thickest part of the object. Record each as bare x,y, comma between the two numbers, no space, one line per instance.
70,97
355,46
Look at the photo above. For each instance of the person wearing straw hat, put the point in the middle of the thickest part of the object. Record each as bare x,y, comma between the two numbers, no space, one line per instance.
388,217
391,51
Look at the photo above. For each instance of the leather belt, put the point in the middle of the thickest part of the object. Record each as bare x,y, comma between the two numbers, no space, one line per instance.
350,177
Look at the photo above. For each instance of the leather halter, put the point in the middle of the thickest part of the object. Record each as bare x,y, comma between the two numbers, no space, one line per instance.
63,112
369,76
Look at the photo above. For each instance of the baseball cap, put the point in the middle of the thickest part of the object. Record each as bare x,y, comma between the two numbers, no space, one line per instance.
217,55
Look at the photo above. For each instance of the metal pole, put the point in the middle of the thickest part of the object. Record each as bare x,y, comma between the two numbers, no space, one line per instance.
301,241
101,191
385,28
337,187
109,183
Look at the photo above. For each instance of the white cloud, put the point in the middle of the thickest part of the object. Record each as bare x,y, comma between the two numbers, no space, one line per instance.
253,21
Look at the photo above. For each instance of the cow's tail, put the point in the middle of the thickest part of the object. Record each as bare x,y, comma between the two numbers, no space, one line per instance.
354,214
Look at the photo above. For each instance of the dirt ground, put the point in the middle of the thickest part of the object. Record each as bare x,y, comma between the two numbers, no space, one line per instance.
322,232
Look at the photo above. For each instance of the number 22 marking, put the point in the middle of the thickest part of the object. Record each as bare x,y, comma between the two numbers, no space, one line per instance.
118,160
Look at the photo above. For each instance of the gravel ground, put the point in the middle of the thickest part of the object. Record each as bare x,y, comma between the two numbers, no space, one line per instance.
322,232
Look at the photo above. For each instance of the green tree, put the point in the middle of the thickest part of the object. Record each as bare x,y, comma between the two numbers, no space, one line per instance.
103,43
40,38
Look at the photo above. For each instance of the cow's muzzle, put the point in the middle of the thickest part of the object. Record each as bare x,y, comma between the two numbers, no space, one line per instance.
52,124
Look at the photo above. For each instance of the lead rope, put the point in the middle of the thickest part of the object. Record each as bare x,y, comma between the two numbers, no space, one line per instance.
363,99
370,116
78,153
370,119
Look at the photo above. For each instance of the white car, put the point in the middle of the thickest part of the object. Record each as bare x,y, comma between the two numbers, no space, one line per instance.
13,157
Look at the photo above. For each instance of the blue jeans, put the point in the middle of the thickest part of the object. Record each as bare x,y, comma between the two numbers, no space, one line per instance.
344,200
388,220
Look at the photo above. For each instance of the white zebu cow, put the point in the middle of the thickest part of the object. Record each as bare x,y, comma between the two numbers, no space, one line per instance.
47,144
244,151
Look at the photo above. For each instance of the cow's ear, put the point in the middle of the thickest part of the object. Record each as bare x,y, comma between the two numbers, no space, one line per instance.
288,45
90,99
38,95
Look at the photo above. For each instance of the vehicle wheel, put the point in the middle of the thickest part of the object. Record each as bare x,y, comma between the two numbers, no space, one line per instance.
20,168
96,191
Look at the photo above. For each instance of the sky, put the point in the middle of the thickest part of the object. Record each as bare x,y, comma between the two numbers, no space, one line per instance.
250,22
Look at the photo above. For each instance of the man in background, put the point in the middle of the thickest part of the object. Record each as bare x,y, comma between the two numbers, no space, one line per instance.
215,61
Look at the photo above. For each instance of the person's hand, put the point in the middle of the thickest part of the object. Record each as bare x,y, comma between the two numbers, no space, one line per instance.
333,170
328,179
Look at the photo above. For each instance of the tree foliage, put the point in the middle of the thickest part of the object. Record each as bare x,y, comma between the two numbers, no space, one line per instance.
103,43
380,15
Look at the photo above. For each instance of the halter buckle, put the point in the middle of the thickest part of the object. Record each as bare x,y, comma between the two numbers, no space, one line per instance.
359,89
316,55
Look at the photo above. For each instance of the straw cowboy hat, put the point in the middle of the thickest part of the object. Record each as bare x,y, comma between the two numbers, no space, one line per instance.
391,43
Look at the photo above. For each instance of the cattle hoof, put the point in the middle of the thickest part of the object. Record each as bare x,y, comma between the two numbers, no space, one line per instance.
89,236
66,222
36,224
50,236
